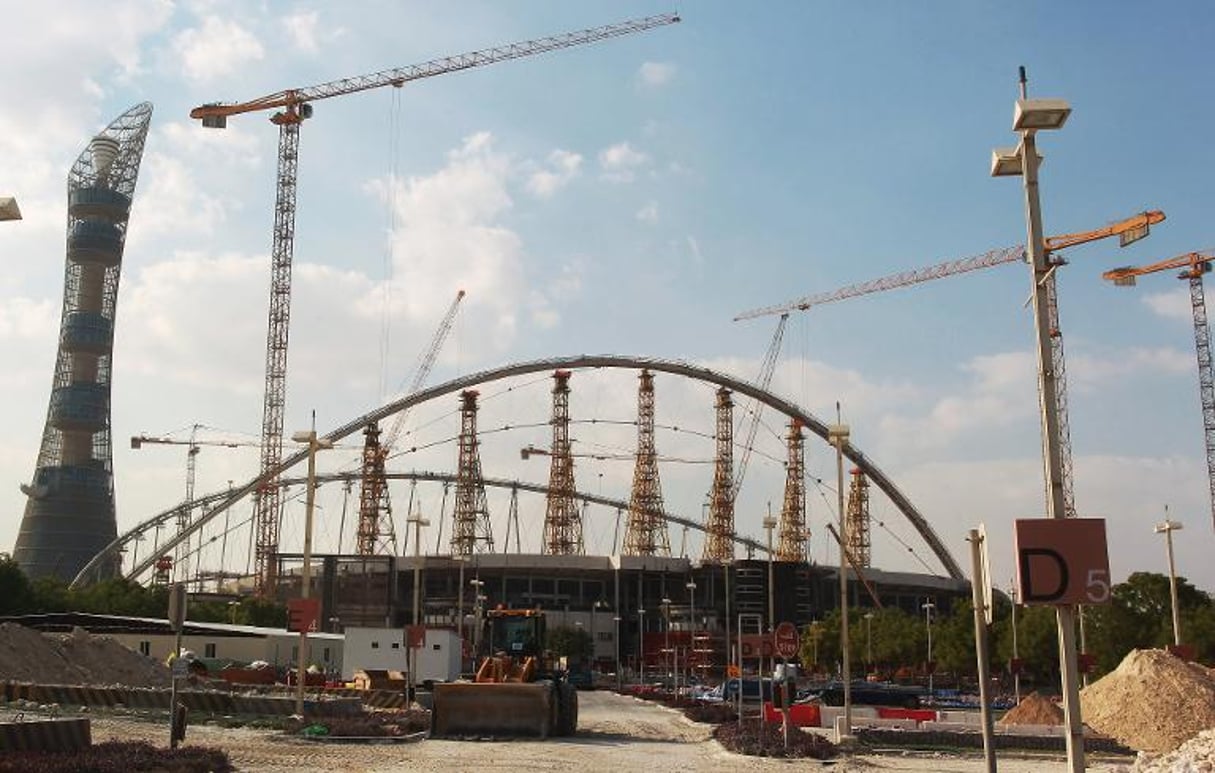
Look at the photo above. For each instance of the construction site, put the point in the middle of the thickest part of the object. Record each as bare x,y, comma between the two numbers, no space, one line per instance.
424,526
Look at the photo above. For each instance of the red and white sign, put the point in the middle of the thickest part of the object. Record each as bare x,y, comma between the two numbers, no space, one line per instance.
786,640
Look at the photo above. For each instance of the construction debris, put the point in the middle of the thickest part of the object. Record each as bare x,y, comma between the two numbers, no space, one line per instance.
1153,702
27,655
1198,753
1034,709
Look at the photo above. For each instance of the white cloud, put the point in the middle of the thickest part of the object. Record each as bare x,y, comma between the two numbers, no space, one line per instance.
694,248
563,167
220,47
1088,372
620,162
648,213
1174,304
302,29
655,74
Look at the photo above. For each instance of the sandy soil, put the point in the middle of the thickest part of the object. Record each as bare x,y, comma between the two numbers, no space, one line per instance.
616,733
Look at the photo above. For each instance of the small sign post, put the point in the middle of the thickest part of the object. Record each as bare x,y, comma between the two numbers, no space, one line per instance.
180,669
785,641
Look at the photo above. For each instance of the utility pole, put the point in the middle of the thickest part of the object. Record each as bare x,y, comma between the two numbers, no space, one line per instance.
837,434
1167,528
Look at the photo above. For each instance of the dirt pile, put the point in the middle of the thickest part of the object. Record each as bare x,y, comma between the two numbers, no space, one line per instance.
1034,709
1152,702
76,658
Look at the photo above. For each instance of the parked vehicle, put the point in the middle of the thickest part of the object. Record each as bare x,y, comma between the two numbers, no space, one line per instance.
752,690
872,694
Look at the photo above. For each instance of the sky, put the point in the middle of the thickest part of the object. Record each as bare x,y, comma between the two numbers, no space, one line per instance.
631,197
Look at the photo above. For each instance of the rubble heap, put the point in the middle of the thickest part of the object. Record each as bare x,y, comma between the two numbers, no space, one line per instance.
1198,753
1154,701
76,658
1034,709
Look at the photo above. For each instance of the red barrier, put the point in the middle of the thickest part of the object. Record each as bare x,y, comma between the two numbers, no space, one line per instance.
800,714
919,715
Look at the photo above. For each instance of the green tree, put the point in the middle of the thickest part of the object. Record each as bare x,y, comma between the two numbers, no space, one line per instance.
16,593
569,641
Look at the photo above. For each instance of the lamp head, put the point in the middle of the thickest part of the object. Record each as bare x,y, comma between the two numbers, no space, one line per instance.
1038,114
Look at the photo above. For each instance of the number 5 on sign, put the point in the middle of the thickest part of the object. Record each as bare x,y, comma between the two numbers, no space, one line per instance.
1062,561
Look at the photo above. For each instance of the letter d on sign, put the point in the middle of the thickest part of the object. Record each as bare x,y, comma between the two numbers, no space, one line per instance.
1030,592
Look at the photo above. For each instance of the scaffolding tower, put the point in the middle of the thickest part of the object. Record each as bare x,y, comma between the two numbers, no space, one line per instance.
562,520
719,531
857,535
793,531
376,534
646,533
470,532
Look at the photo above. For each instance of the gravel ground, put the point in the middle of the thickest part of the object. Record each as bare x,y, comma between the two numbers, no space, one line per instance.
616,733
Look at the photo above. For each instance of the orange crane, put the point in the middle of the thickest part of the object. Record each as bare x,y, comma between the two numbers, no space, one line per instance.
294,106
1128,231
376,531
1192,265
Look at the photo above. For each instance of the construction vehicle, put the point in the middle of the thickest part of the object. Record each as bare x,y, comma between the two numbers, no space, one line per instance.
517,691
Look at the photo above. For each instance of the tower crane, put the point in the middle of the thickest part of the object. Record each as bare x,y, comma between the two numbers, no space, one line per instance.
294,106
1192,265
185,514
375,511
1128,231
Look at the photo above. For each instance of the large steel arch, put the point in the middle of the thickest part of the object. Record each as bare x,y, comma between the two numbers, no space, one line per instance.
170,515
674,367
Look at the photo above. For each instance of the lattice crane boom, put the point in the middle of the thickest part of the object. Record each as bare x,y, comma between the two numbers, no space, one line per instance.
766,369
425,365
1193,265
295,106
1134,226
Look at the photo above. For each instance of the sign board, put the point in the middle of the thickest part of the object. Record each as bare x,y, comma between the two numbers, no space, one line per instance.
756,645
785,639
415,636
302,614
1061,561
985,562
180,668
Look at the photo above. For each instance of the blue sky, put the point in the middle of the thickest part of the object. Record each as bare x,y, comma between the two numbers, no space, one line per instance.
631,197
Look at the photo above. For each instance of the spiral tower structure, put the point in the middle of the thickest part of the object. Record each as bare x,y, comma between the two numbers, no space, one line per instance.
69,514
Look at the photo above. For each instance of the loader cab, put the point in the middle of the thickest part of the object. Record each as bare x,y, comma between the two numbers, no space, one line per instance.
516,632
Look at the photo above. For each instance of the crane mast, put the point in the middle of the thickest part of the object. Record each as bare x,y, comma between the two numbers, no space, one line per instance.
1193,265
296,106
766,369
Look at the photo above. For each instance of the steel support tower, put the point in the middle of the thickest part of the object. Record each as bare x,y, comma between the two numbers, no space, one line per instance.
646,533
562,520
858,520
376,534
470,531
793,531
69,515
719,531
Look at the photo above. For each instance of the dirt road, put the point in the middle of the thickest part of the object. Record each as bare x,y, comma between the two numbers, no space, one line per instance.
616,733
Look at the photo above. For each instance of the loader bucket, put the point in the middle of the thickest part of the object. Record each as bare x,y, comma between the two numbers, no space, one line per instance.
492,709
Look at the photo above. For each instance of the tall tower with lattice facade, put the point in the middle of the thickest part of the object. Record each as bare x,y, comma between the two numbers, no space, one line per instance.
793,532
646,533
858,519
719,531
69,516
562,521
471,531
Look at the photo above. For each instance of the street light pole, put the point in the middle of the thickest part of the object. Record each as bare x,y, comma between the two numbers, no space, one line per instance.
837,434
418,522
769,524
928,607
1167,528
616,641
869,641
1031,116
314,443
694,660
640,646
1016,653
666,654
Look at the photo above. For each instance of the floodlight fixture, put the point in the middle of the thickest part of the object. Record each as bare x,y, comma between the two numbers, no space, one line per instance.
1033,115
